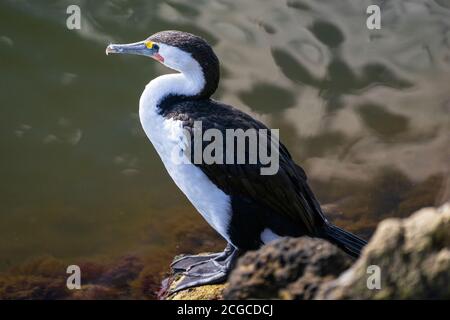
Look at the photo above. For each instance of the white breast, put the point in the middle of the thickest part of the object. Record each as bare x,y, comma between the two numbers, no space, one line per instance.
166,136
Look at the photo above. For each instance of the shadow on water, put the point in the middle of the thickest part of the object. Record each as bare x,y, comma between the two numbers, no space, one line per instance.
268,98
339,79
327,33
366,113
384,123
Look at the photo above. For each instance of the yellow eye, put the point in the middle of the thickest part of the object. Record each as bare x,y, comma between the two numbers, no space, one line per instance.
149,44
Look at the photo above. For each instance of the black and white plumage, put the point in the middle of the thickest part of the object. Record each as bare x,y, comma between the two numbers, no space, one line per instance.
246,208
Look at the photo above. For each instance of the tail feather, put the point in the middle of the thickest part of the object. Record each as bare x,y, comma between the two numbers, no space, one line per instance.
345,240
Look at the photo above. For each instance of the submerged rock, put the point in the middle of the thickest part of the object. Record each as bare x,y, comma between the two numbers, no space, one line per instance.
120,275
45,278
32,287
41,278
413,257
95,292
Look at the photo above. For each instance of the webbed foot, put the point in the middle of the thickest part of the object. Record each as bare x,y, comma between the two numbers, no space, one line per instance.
206,269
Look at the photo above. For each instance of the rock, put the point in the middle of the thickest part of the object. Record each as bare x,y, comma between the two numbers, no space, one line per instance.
208,292
413,255
289,268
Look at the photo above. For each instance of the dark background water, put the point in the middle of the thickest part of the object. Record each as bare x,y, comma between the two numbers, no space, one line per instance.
366,113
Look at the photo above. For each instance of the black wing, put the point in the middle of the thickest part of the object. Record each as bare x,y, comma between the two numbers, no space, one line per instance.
285,192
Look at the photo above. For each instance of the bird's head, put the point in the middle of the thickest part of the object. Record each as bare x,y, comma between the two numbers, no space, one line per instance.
180,51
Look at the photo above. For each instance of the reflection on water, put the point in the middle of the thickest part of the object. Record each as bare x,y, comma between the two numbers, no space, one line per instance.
365,112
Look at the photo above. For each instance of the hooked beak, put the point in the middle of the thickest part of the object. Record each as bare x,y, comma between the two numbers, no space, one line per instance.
138,48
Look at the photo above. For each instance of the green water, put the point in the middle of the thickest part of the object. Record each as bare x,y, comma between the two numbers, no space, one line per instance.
366,113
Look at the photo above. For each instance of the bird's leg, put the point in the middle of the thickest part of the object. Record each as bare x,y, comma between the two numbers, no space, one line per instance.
214,270
188,261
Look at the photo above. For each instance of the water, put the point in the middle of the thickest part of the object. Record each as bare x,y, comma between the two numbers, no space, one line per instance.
366,113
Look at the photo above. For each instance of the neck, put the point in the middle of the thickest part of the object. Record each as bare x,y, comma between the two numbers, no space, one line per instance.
182,85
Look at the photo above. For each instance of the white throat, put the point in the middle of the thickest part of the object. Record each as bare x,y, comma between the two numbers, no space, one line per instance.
170,84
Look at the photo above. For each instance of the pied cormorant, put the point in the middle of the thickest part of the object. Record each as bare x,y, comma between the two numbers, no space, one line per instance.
246,208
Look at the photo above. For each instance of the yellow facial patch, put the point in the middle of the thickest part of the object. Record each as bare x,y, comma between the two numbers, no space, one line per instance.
149,44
